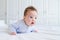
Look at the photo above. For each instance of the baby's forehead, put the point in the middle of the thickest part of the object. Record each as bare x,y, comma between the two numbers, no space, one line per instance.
31,15
31,12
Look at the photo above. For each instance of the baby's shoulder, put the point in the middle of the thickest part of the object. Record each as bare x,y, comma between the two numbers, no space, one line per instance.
20,22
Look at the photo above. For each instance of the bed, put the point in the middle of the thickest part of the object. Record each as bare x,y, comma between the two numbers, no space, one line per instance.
45,33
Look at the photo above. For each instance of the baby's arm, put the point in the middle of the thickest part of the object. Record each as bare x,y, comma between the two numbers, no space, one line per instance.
36,30
12,29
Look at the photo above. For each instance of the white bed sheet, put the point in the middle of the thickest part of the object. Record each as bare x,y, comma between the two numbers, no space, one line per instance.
29,36
44,34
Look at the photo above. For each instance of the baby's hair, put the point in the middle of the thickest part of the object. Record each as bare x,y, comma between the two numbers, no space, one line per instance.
29,8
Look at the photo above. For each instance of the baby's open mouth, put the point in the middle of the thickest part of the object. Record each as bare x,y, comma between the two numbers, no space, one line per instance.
32,22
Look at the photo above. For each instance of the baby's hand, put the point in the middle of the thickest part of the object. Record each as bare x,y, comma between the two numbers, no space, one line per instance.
36,30
13,33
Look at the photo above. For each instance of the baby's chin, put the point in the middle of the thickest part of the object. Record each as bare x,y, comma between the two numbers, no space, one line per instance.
32,24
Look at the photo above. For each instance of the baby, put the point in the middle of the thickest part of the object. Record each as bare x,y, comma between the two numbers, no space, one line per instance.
27,23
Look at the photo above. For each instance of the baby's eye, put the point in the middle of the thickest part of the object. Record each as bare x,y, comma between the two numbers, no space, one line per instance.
35,17
31,17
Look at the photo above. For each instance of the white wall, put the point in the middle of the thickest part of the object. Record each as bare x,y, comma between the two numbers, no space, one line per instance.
12,10
2,9
53,12
48,10
59,13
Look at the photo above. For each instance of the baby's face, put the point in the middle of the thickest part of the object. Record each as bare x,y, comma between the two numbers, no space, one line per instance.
30,18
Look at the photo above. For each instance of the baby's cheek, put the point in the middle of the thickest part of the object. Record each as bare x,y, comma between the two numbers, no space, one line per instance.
29,20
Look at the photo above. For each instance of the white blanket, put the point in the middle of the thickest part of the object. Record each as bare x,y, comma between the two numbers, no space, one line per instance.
42,35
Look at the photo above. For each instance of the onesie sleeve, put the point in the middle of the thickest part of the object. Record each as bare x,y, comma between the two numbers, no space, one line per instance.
13,27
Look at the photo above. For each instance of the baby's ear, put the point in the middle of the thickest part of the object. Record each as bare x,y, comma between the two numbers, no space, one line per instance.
24,17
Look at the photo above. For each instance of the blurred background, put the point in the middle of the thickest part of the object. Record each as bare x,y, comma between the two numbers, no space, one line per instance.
48,21
48,11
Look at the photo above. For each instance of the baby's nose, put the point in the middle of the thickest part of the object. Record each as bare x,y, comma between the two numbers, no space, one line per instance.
33,19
